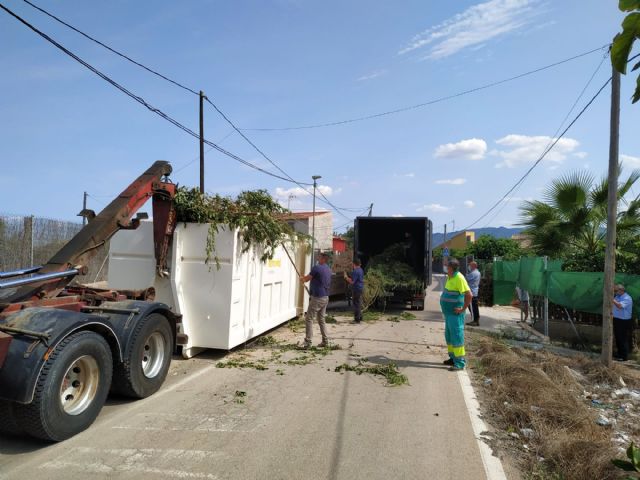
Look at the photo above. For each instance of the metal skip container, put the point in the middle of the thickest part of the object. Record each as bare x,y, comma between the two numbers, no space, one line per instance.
221,305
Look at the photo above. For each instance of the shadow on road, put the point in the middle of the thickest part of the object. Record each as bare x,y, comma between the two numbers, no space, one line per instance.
383,360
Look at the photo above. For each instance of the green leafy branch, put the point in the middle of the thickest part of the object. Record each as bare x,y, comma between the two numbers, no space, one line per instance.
623,41
259,218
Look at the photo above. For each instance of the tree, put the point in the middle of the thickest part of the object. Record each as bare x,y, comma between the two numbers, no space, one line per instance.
487,246
571,221
349,236
623,41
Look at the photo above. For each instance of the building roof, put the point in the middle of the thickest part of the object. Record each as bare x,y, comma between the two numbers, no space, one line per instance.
303,215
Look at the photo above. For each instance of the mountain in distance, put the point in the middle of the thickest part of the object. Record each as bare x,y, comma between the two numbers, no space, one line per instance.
498,232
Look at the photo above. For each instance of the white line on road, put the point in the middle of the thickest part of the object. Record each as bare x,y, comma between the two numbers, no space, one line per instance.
492,465
132,460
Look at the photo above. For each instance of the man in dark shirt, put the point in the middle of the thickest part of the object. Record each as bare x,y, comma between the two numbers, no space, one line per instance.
357,284
320,277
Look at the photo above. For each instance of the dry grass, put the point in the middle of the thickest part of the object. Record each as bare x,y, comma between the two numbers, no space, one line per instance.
536,390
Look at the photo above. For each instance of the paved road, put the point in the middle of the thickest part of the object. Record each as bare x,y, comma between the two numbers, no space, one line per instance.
295,422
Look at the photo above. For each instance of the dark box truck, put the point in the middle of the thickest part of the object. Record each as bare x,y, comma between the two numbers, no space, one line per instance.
374,234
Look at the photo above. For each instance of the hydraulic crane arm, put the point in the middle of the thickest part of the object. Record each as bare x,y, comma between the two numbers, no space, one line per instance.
73,257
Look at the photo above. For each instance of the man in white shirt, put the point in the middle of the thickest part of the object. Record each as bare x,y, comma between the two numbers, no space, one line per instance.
473,279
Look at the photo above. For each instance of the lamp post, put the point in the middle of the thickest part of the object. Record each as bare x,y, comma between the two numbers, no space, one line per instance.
313,221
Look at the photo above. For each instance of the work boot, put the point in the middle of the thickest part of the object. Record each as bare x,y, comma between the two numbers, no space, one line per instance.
473,324
448,361
324,344
305,345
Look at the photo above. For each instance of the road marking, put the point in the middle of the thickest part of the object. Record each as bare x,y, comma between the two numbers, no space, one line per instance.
121,413
177,422
492,464
111,461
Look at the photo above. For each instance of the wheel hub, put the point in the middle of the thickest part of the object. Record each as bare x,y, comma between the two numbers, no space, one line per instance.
80,384
153,354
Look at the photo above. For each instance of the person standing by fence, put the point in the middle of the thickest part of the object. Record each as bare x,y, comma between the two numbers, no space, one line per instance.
622,321
454,301
523,298
473,279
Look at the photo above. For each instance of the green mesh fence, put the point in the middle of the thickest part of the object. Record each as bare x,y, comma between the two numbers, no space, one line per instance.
581,291
505,276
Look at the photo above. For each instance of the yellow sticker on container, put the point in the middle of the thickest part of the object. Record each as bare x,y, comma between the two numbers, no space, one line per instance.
274,263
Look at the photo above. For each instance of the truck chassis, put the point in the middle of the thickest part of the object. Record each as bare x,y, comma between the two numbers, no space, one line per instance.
64,348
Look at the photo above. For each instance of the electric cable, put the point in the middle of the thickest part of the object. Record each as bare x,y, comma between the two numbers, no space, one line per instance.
113,50
566,117
544,154
191,90
522,179
140,100
429,102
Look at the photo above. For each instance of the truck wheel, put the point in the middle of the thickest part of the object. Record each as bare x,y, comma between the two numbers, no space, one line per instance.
146,361
71,389
8,423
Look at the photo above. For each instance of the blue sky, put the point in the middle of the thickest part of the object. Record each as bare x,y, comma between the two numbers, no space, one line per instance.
282,63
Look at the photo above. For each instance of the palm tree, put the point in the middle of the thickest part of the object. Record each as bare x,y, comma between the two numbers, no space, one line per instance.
573,215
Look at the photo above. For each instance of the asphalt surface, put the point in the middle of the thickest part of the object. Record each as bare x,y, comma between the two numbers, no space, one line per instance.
291,422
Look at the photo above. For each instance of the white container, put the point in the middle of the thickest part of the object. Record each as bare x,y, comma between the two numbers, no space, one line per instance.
220,307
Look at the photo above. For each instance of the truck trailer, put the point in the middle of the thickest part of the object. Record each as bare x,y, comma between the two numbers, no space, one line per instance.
373,235
65,346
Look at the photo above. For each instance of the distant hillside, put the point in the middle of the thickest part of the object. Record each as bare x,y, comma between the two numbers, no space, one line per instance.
498,232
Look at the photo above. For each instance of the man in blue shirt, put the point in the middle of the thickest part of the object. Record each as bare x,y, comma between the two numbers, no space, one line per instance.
357,284
473,279
320,286
622,321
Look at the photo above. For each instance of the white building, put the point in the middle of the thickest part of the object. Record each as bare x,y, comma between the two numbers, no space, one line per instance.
302,222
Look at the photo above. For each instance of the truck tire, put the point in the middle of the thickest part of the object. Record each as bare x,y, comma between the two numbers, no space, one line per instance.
71,389
146,361
8,423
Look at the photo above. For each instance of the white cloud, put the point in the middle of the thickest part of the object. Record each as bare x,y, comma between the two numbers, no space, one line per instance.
397,215
469,203
283,194
372,75
524,149
474,27
451,181
433,207
629,161
580,155
470,149
407,175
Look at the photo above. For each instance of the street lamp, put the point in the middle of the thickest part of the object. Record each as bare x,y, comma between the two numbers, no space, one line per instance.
313,221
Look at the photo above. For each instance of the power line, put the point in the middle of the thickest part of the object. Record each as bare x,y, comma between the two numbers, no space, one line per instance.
320,125
544,154
191,90
140,99
429,102
566,117
150,70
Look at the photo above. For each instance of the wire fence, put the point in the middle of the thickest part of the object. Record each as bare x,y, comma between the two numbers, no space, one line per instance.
28,241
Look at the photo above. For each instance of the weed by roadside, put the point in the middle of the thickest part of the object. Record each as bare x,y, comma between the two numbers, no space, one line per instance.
258,365
389,371
544,406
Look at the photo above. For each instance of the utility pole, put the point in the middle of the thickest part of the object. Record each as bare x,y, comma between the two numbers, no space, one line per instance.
291,195
202,97
370,209
612,204
453,226
313,221
445,235
84,208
